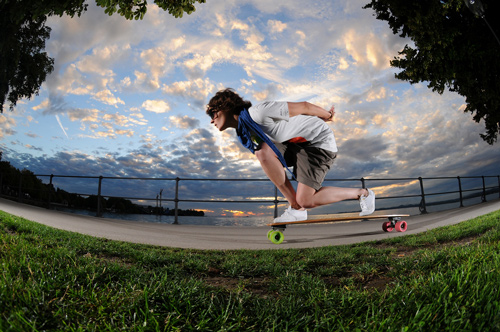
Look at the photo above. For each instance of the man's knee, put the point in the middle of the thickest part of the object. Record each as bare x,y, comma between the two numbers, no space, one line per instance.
305,202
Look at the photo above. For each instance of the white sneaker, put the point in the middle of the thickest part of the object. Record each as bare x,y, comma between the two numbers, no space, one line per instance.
367,203
292,215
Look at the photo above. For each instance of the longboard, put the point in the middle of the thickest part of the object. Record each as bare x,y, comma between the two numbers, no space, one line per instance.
275,235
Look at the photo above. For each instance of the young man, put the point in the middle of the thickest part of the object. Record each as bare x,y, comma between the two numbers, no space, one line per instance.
288,134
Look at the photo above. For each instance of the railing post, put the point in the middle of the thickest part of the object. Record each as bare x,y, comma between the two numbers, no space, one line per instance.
99,207
176,200
157,209
19,194
50,191
460,190
422,207
498,177
363,183
276,202
483,197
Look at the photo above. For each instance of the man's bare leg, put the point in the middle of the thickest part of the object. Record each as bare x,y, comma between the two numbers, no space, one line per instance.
310,198
275,172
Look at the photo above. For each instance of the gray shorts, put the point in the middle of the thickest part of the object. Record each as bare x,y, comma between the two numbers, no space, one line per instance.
310,164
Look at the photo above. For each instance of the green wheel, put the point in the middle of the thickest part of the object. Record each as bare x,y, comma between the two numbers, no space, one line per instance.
276,237
269,234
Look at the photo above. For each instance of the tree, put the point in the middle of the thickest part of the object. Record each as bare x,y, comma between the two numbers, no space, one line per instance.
24,65
452,49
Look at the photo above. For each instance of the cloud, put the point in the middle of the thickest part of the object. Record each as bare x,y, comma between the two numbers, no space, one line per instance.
125,132
31,147
142,82
137,118
76,35
269,92
44,104
276,26
55,105
196,90
107,97
176,43
100,60
6,126
294,8
379,93
364,149
366,50
199,64
117,119
84,115
73,81
156,60
156,106
32,135
184,122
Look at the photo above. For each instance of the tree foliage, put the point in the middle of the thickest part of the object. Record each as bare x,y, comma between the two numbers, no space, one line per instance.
24,64
453,49
136,9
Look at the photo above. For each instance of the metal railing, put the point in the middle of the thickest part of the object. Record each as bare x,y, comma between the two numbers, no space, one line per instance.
478,188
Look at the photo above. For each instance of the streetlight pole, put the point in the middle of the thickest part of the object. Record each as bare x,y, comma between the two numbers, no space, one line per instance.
161,210
476,7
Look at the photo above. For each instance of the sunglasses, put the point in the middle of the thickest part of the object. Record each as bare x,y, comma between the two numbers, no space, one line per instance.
212,113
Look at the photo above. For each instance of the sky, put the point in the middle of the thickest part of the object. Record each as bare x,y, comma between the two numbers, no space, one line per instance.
127,99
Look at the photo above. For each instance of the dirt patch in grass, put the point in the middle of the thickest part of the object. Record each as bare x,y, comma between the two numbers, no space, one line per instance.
379,283
260,286
111,259
404,251
9,230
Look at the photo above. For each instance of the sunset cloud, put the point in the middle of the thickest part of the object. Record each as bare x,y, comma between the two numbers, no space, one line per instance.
107,97
184,122
156,106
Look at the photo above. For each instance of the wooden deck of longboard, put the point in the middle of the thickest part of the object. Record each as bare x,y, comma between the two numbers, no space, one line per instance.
338,218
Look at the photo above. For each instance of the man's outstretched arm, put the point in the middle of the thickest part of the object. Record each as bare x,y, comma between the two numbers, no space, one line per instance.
306,108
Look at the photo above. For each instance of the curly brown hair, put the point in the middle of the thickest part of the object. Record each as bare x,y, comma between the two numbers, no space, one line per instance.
227,100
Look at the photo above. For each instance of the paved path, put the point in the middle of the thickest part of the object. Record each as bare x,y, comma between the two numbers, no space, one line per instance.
233,237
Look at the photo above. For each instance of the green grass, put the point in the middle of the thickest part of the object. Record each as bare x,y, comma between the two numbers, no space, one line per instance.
446,279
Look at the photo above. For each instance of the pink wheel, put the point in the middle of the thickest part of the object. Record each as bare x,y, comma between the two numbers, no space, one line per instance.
401,226
387,226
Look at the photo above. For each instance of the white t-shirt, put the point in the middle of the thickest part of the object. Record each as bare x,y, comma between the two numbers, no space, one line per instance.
274,119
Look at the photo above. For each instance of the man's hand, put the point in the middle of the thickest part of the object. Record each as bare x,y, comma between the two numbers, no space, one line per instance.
332,113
